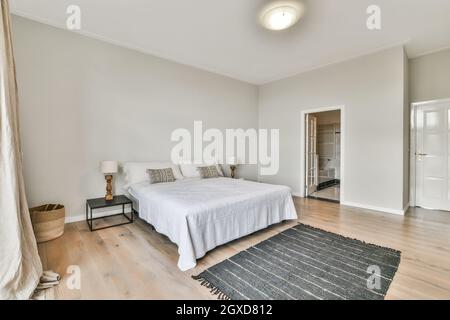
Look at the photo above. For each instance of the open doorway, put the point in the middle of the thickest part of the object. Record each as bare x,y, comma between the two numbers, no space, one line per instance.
323,155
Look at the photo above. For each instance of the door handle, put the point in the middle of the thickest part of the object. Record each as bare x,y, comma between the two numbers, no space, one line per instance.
422,154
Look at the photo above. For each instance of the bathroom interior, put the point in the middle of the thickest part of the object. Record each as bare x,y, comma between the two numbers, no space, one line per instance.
329,155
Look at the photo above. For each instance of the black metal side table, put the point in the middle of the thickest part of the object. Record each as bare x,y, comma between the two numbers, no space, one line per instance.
98,203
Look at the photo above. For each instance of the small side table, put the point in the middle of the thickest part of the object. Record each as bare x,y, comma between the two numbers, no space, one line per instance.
98,203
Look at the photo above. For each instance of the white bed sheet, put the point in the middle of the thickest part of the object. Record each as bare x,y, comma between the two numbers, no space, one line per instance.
201,214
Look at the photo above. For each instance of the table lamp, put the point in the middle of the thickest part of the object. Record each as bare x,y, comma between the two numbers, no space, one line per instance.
108,168
232,161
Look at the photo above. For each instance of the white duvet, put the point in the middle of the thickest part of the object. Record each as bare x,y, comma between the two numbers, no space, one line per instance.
201,214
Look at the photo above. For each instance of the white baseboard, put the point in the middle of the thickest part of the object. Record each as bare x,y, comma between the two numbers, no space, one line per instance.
297,194
375,208
72,219
406,207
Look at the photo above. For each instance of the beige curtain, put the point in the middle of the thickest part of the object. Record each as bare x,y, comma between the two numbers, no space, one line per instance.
20,265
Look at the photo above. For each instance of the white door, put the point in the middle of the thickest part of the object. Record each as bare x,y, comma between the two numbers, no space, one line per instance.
432,156
312,163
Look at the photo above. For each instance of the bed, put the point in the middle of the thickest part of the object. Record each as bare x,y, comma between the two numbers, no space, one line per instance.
201,214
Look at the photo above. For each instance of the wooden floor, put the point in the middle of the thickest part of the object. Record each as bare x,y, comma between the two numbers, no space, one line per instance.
135,262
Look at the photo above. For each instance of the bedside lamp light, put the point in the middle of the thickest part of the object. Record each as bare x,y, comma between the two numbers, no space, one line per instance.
232,161
108,168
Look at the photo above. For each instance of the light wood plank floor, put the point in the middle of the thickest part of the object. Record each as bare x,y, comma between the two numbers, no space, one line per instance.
135,262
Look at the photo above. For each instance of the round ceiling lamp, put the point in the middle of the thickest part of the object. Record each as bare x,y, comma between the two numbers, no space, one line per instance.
280,15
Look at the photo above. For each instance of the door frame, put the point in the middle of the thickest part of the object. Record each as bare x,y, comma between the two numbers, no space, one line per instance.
308,118
303,114
413,146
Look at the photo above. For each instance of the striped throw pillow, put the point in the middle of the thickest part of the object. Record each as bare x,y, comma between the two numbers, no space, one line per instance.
160,175
208,172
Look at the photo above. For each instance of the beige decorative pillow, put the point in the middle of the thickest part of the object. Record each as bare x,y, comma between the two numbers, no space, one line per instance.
161,175
208,172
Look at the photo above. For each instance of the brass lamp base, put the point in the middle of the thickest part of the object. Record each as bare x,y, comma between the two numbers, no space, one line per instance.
109,195
233,169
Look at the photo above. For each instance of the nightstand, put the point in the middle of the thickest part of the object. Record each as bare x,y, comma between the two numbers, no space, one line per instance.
99,203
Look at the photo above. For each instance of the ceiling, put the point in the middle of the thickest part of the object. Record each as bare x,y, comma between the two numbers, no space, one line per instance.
224,37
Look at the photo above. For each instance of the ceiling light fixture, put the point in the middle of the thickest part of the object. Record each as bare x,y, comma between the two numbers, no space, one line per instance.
280,15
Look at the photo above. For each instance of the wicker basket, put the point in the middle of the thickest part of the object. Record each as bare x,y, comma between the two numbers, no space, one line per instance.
48,221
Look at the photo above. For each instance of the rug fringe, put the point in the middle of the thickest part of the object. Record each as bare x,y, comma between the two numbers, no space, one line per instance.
213,289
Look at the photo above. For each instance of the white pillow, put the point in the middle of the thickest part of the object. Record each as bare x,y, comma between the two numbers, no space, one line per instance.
136,172
190,170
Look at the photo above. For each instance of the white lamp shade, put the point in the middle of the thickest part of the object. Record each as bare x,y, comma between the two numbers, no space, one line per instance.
232,161
109,166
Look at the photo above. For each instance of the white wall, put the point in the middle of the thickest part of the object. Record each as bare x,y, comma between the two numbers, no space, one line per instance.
83,101
372,90
429,77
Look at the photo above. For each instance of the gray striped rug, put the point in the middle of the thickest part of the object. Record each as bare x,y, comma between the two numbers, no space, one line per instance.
304,263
